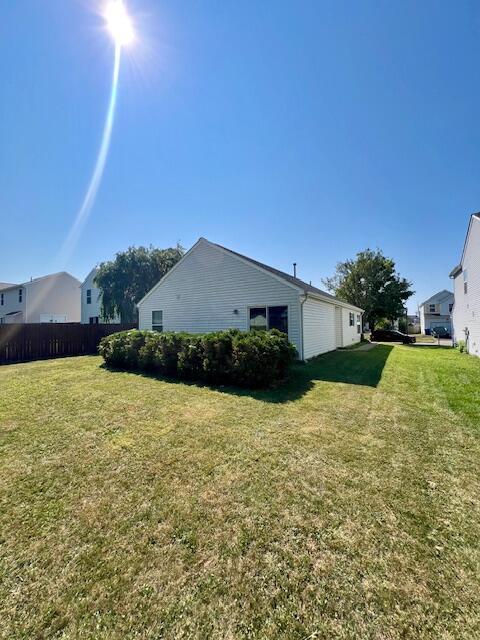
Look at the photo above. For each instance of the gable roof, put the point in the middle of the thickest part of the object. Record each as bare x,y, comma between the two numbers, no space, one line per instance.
458,268
7,285
441,295
303,287
88,276
35,280
306,288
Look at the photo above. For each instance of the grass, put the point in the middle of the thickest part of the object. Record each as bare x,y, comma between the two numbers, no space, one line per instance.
346,505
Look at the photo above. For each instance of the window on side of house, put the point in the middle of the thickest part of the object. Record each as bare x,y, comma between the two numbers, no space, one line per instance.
351,319
432,308
94,319
465,281
278,318
258,318
20,295
262,318
450,307
157,320
2,299
89,296
359,323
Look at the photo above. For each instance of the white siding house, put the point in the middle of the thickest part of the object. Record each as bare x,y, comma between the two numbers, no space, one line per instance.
436,312
466,277
92,301
213,288
52,298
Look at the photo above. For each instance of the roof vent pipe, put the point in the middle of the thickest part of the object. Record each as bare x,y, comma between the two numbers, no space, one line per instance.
294,269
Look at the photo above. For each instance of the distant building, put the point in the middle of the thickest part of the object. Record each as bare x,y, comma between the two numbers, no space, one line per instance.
52,298
92,302
437,312
466,277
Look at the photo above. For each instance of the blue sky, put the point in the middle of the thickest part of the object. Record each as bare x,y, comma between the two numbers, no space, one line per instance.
290,131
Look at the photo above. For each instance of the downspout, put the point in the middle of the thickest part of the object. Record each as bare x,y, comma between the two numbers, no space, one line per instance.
303,299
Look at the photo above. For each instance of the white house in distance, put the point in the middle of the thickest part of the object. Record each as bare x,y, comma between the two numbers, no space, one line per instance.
466,277
436,312
52,298
213,288
92,301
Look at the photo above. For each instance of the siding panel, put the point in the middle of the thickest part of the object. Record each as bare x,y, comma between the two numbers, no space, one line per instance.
211,290
466,313
319,328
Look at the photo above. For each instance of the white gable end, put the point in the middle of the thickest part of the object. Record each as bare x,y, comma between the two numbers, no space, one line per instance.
211,290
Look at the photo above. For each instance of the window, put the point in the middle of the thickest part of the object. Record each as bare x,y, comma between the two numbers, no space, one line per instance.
157,320
450,307
465,281
278,318
432,308
351,318
93,320
89,296
359,323
1,299
262,318
258,318
20,295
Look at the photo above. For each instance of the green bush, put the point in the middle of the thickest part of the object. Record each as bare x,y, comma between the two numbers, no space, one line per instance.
461,346
248,359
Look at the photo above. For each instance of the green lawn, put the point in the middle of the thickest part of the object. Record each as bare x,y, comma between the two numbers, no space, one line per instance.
346,505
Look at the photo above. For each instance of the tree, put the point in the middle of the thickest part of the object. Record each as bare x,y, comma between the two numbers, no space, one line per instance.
372,283
125,280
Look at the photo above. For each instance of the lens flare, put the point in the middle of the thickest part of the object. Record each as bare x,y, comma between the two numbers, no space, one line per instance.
119,23
120,26
92,190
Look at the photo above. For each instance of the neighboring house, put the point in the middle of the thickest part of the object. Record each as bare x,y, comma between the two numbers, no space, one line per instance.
92,302
213,288
52,298
436,312
466,277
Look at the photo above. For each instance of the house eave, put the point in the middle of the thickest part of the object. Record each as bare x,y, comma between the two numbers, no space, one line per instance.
334,301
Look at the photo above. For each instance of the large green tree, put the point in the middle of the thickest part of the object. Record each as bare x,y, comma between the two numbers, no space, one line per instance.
126,279
371,282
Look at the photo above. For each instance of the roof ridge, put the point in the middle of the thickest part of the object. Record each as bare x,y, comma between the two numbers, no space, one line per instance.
307,288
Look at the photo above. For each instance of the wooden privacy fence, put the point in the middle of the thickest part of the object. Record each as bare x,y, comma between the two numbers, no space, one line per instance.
23,342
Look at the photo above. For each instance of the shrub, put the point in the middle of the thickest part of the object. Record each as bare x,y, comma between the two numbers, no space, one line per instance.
250,359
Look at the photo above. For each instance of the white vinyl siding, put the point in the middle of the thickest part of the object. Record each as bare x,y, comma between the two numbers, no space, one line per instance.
350,333
466,313
211,290
319,328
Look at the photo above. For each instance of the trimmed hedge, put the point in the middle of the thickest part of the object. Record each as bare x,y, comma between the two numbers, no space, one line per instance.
249,359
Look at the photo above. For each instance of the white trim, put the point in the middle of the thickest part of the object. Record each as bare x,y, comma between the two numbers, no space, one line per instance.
155,287
335,301
262,305
249,263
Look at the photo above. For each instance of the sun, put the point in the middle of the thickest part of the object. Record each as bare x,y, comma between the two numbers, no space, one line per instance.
119,23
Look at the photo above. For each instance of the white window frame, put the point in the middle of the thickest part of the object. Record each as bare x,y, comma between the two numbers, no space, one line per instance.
430,305
88,296
262,305
157,326
351,319
20,295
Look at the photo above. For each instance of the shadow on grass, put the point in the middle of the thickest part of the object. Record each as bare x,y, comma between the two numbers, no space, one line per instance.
355,367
